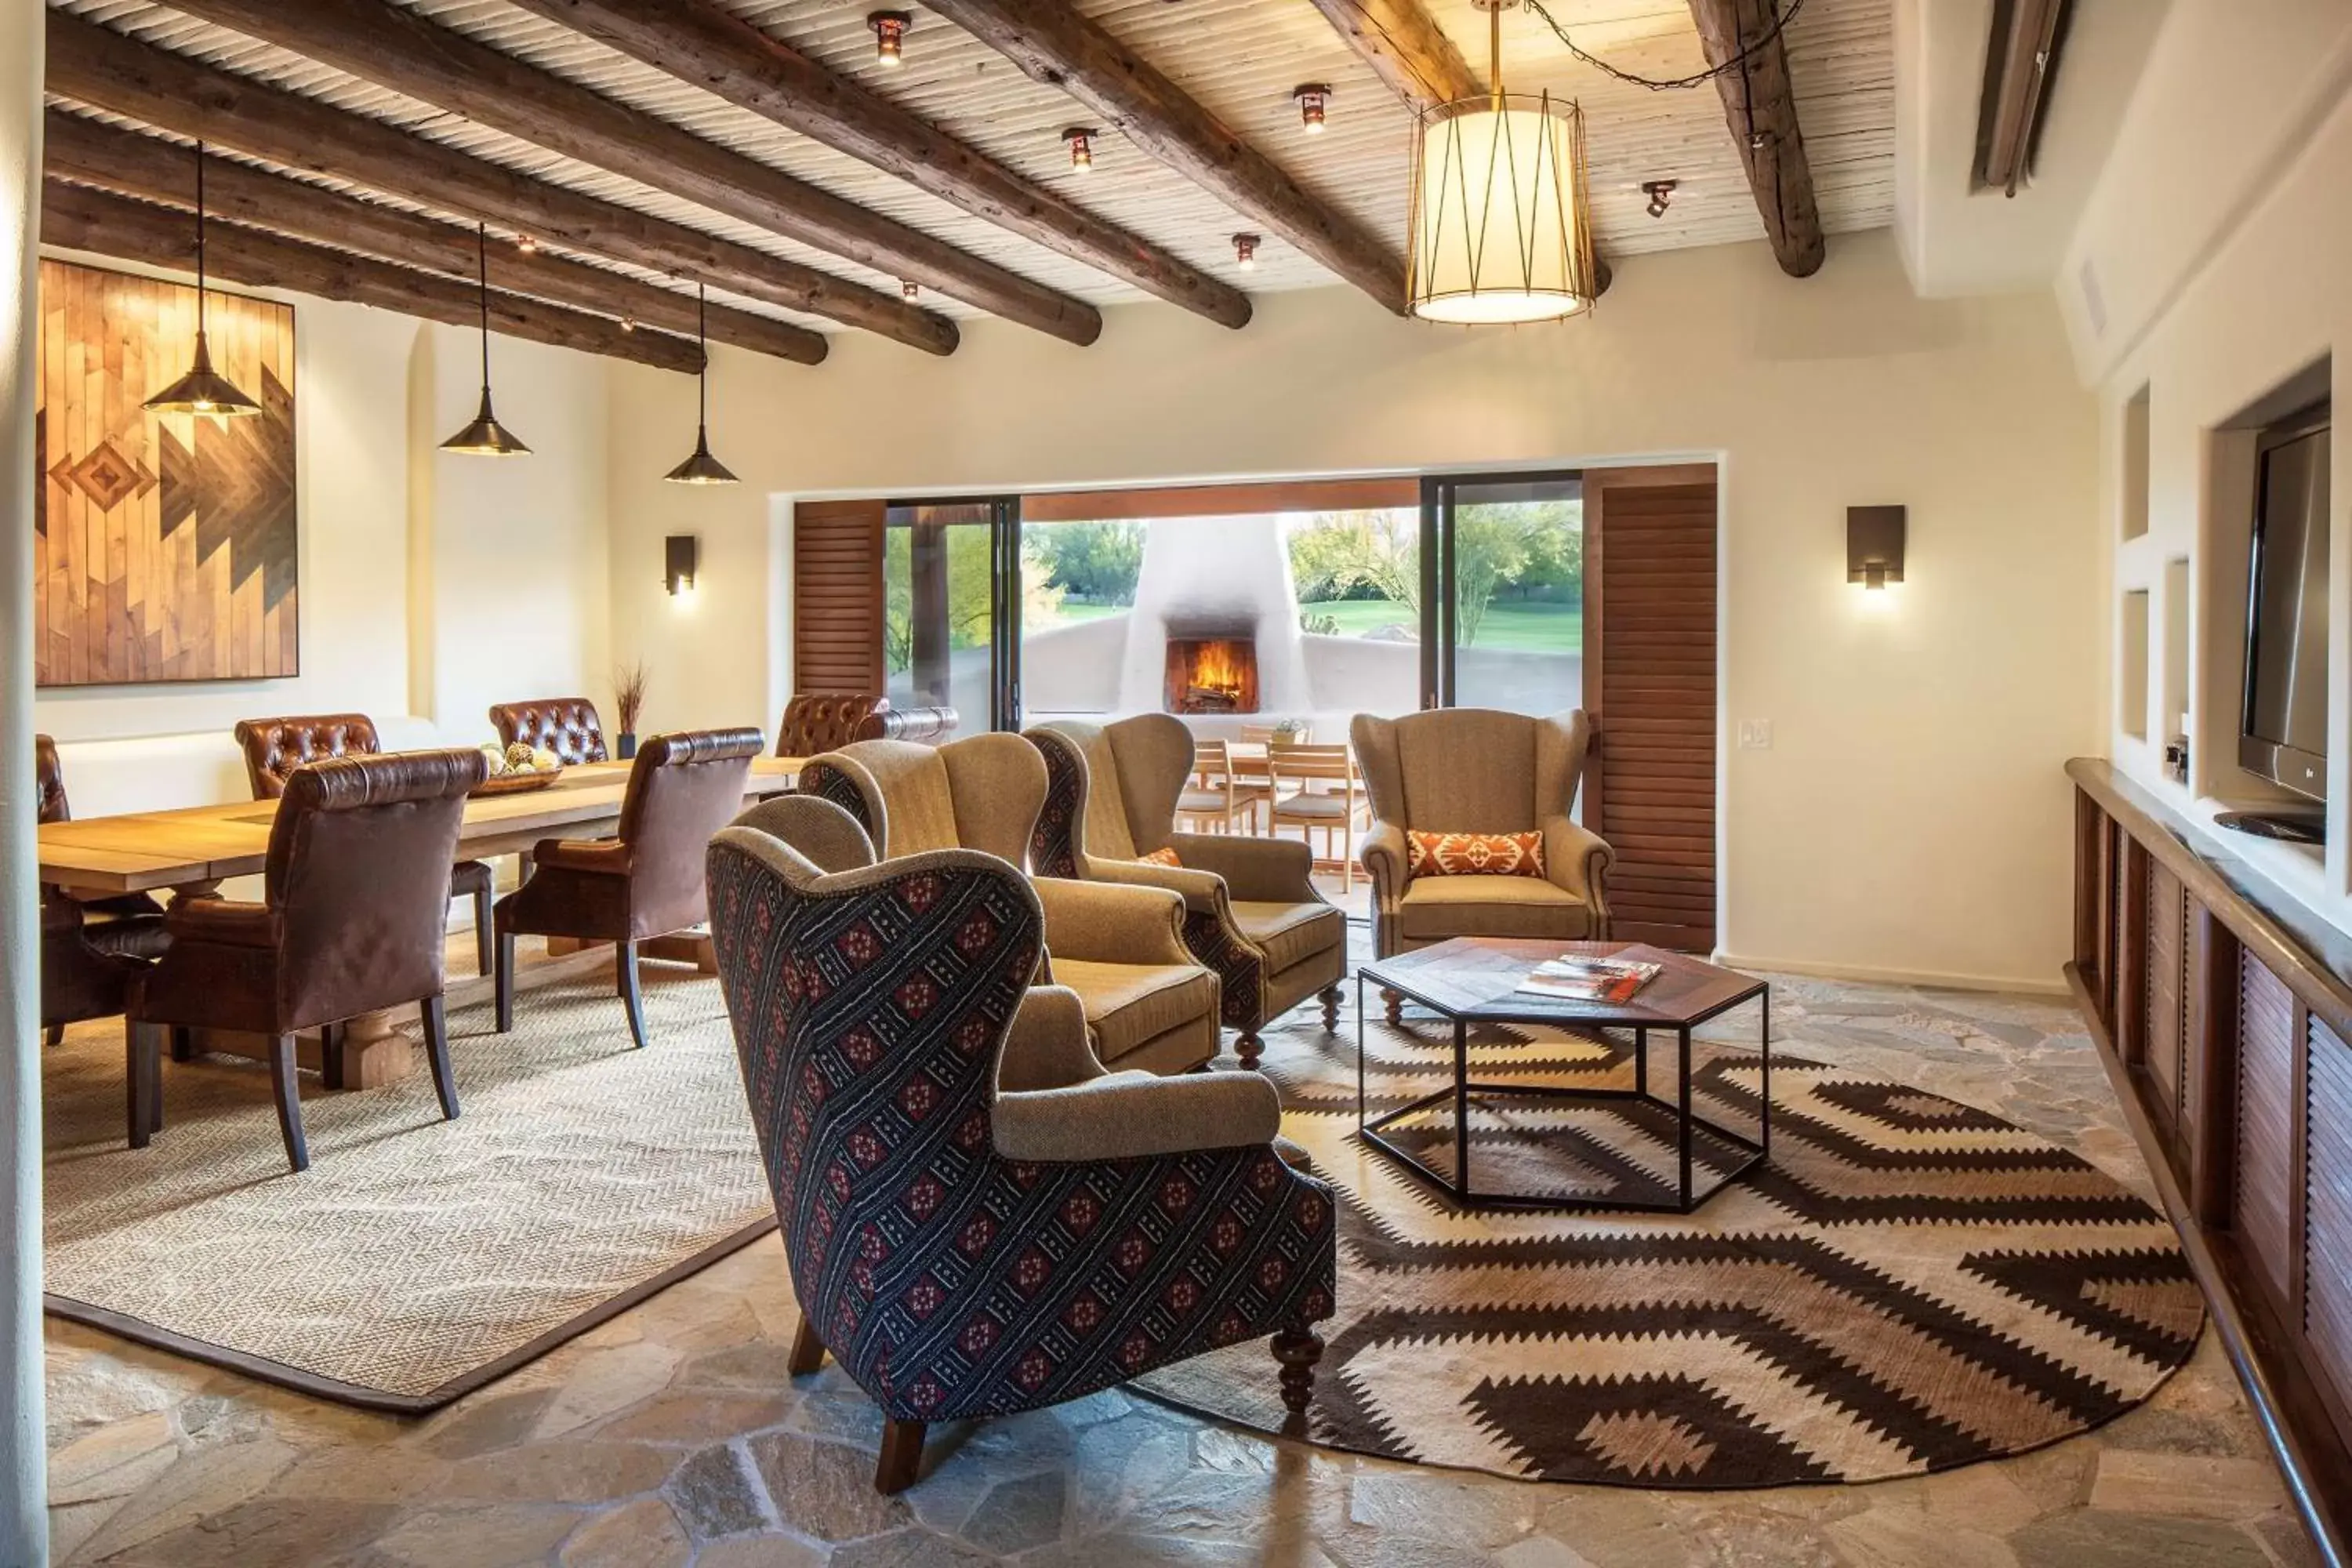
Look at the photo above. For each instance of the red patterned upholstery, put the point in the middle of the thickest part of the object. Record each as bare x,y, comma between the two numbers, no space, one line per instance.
568,726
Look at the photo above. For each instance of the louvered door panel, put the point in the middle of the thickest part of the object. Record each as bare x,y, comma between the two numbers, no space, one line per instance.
837,596
2263,1182
2327,1207
1650,685
2167,997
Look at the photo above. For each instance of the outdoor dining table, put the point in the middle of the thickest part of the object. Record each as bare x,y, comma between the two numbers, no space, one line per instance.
191,851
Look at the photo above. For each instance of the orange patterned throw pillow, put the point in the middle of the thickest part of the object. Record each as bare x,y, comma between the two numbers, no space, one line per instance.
1475,855
1160,857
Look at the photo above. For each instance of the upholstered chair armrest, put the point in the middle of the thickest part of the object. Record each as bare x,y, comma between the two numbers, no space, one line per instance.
223,921
1385,858
1576,858
608,856
1046,1047
1104,923
1137,1115
1198,888
1255,870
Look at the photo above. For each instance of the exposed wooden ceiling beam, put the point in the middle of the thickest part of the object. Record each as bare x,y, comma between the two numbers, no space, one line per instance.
696,42
1054,44
133,164
1762,112
1403,44
380,42
80,218
92,65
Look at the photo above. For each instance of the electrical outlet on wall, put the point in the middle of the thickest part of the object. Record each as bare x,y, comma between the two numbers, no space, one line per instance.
1756,734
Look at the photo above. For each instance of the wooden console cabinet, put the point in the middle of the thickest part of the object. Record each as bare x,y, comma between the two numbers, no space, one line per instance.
2224,1015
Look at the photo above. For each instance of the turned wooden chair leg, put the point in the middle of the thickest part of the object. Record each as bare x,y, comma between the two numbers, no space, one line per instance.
1330,998
1250,1046
901,1456
1297,1350
1395,1004
808,1350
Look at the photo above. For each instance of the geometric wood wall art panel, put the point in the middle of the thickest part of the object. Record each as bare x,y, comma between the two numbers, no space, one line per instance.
164,543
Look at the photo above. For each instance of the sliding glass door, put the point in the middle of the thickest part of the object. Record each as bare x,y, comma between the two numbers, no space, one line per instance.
948,616
1502,564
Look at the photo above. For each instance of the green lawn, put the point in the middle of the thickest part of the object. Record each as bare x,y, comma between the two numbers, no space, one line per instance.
1529,627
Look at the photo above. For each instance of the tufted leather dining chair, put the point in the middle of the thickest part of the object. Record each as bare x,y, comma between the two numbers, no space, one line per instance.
819,722
93,947
568,726
273,748
645,881
351,921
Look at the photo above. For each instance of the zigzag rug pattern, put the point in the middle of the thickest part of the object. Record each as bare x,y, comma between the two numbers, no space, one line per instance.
1909,1285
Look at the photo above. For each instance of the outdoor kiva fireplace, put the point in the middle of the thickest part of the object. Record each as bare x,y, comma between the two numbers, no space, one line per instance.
1212,675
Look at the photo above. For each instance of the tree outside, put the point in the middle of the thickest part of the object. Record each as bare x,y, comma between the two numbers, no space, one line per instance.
1527,554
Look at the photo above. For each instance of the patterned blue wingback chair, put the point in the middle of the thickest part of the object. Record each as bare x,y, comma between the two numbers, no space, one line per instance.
979,1219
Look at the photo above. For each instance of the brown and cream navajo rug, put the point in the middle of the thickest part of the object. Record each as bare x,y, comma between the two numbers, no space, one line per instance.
416,1258
1909,1285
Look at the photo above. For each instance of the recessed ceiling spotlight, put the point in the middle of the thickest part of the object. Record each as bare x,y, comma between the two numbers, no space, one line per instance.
1314,99
1082,149
889,36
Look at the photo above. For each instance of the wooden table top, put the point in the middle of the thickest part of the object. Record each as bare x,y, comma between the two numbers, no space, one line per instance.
1477,978
201,844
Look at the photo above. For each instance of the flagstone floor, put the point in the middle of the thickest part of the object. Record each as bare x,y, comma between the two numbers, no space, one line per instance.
672,1437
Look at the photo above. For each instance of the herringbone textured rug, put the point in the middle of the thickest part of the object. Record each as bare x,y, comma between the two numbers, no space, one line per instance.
1910,1285
416,1257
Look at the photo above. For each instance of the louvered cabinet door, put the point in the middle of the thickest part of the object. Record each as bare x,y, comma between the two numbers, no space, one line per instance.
2327,1212
837,596
2262,1196
1650,687
2168,991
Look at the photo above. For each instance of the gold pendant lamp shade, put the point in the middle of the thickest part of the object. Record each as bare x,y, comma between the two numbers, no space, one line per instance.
203,390
1501,226
485,436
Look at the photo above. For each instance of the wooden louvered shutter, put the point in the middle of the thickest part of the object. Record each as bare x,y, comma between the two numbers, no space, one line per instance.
1649,688
837,596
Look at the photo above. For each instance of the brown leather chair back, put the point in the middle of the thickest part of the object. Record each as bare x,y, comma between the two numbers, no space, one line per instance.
683,789
49,782
568,726
358,876
273,748
818,721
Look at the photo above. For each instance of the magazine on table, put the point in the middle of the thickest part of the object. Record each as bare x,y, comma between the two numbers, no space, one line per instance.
1590,979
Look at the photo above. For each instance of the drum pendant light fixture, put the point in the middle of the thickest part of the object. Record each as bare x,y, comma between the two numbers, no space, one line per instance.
485,437
203,390
1500,230
701,469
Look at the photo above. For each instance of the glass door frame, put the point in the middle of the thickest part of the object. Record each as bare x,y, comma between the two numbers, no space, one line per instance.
1439,494
1003,596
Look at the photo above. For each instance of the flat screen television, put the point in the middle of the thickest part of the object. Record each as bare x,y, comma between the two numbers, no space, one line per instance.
2283,735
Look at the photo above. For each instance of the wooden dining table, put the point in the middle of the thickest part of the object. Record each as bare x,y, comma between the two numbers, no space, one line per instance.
191,850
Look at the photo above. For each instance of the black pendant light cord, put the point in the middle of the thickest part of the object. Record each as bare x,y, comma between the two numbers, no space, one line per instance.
1737,62
200,242
482,278
702,340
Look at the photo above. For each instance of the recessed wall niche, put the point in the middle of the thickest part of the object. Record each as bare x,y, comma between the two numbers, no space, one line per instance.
2131,691
2135,466
2173,716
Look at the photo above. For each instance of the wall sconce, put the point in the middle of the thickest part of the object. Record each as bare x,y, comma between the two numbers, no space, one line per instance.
679,555
1874,545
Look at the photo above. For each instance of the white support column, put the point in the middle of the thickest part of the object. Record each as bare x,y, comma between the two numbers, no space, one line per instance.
24,1449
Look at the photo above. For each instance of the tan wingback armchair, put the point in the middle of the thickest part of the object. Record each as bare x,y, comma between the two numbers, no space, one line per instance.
1148,1003
1475,770
1251,910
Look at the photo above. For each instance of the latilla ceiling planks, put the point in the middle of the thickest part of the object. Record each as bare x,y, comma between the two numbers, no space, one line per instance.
1239,58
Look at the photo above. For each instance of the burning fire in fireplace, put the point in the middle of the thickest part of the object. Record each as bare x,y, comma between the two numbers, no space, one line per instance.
1212,675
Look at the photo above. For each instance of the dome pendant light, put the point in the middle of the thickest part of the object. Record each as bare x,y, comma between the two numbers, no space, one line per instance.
203,390
1501,227
701,469
485,437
